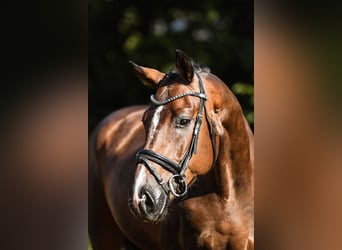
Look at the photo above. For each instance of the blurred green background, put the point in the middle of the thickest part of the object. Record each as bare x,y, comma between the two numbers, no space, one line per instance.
215,33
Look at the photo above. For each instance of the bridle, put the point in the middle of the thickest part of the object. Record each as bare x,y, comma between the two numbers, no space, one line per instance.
178,169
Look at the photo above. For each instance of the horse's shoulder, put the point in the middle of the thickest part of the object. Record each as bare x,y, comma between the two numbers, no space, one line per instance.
117,124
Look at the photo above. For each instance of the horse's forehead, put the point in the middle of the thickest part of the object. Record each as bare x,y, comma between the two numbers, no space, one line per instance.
175,88
167,91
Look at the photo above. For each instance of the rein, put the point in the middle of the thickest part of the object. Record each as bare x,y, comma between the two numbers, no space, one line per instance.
178,169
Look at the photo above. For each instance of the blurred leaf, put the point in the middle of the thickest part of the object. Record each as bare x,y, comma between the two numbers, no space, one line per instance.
251,100
132,42
213,16
250,117
129,20
89,245
243,89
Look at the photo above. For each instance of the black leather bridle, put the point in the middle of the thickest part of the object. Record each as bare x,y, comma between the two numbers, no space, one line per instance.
176,184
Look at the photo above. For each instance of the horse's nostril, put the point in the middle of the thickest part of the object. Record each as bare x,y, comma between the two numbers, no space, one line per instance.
147,202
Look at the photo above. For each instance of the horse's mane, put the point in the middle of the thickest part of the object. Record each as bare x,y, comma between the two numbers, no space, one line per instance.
173,74
197,67
200,67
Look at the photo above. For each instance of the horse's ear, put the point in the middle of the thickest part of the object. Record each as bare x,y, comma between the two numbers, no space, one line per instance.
184,66
149,77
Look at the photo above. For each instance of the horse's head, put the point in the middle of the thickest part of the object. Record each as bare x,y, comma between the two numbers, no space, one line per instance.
180,138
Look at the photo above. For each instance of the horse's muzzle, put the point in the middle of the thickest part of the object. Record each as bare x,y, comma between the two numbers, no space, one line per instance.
148,200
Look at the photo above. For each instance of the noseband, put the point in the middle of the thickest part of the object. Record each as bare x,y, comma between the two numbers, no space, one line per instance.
178,169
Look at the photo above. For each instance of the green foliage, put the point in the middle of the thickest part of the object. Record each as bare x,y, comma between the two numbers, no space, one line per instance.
216,33
244,89
89,245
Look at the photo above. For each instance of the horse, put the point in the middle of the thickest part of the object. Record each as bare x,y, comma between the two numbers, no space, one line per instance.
177,174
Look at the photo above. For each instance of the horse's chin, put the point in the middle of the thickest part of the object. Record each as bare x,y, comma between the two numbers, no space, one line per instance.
155,218
149,217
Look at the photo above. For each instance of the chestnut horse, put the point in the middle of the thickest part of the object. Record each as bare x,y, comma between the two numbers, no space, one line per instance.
178,174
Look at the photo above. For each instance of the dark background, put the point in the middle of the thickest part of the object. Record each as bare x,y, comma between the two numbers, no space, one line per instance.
44,98
217,33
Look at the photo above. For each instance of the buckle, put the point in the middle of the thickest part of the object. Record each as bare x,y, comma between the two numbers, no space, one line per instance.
178,185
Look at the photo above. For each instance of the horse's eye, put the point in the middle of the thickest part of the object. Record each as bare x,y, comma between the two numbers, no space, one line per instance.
183,122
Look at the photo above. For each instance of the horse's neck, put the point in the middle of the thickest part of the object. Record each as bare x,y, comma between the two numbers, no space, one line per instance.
234,168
